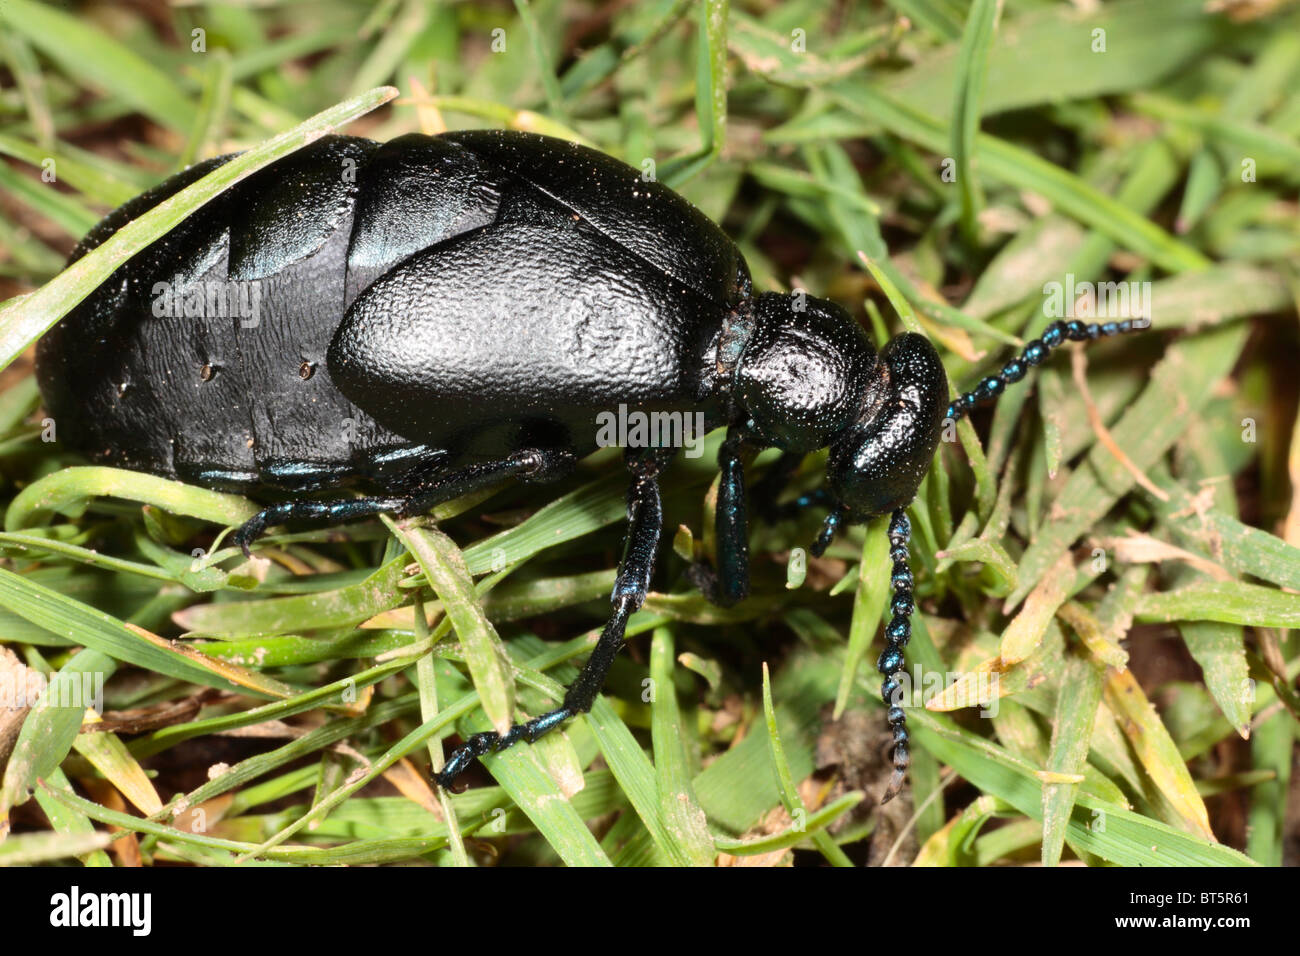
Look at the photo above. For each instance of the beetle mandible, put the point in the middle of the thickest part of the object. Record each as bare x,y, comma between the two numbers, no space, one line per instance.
467,304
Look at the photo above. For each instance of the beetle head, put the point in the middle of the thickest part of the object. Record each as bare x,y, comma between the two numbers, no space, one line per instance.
877,463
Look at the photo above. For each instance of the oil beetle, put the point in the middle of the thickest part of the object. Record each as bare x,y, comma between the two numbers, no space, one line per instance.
440,313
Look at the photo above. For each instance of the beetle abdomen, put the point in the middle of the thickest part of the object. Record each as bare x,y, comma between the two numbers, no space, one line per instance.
204,356
478,296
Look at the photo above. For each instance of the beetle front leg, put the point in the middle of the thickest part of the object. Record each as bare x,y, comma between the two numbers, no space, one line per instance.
644,524
730,582
732,522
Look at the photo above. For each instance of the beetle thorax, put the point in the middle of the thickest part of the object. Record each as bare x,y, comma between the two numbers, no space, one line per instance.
806,372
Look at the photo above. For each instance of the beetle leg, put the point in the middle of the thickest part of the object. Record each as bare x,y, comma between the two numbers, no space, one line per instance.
732,522
832,523
730,582
328,511
528,464
644,524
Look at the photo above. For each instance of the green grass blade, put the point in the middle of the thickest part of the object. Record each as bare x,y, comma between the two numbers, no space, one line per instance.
486,656
1071,734
1022,169
51,726
100,61
1126,838
1230,602
68,490
972,65
678,805
92,628
869,602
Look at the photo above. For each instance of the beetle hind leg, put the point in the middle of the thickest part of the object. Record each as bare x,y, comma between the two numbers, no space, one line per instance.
328,511
430,488
644,524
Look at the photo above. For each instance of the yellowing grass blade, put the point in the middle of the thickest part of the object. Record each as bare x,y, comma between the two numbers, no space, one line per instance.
1156,749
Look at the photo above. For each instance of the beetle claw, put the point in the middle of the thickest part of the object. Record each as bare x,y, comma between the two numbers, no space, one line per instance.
247,533
705,578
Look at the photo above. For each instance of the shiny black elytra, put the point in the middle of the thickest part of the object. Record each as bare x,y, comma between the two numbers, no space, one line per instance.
438,313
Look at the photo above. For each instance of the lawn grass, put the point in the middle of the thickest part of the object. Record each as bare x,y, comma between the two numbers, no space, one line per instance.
1107,572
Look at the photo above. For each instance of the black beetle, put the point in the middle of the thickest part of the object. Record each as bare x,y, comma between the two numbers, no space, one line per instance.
439,313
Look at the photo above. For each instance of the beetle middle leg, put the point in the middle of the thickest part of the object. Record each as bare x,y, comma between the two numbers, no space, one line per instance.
537,464
644,524
729,584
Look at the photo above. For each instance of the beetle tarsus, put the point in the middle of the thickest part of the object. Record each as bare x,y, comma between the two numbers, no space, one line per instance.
492,742
827,534
248,532
328,511
896,781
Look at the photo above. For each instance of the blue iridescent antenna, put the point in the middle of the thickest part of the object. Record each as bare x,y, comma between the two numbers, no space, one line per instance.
1035,353
897,633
